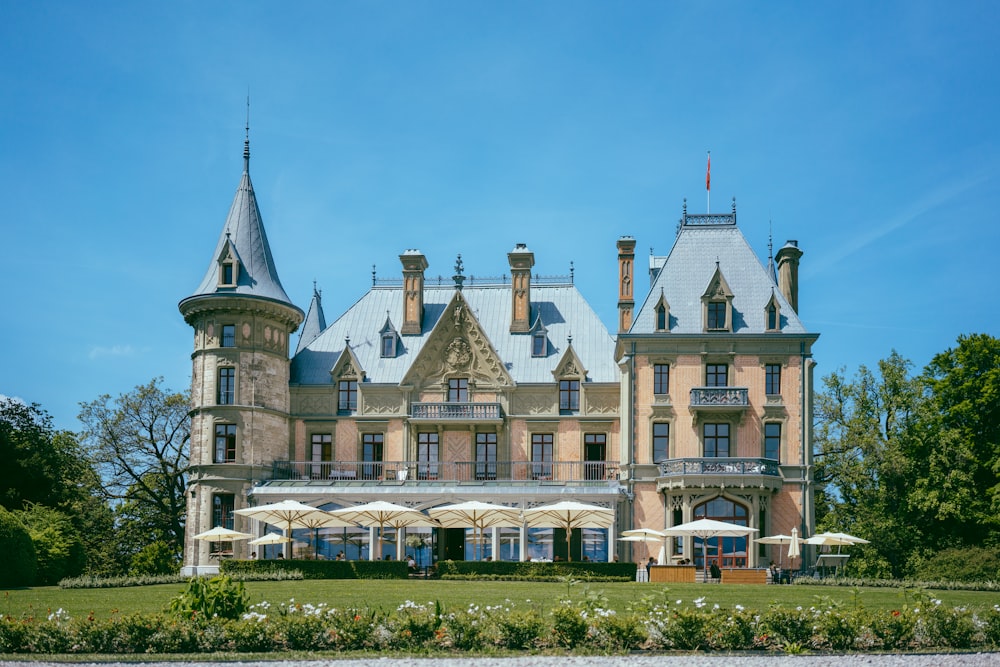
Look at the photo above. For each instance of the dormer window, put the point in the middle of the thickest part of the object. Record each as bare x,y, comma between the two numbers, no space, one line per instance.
229,265
716,315
662,313
389,339
717,304
772,314
538,345
388,346
539,339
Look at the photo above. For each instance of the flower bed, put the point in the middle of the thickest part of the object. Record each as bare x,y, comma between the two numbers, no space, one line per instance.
584,623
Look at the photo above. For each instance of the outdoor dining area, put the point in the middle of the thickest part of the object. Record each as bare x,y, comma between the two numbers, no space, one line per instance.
708,568
372,531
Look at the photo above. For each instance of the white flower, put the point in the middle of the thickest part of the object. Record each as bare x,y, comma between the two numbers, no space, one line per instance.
739,607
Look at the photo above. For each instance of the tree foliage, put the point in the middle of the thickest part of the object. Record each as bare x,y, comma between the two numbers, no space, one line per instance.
912,462
138,442
59,551
19,564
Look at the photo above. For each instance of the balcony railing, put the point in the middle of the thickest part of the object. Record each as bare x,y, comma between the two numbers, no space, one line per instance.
719,397
456,411
442,471
719,466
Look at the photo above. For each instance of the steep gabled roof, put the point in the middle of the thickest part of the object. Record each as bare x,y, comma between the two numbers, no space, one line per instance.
705,246
244,229
561,307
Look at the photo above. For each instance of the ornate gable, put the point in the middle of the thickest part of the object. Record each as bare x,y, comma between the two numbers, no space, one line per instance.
347,366
457,345
570,367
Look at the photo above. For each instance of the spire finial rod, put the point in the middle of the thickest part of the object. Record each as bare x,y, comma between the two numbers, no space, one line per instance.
246,140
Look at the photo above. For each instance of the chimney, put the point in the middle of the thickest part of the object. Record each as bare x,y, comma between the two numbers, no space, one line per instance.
626,282
414,264
521,260
788,272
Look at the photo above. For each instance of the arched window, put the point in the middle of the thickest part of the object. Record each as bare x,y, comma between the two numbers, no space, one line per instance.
723,551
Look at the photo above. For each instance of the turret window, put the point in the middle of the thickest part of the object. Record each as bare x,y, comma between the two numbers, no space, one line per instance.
227,386
225,443
228,335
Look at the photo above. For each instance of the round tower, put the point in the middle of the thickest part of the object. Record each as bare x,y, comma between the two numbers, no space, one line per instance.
242,320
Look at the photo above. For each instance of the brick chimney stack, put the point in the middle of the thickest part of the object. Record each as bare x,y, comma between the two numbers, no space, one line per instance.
414,264
521,260
626,282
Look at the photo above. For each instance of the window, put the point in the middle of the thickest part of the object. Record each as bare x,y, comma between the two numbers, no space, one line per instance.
595,449
227,274
541,456
388,346
427,455
538,346
222,510
716,375
228,335
772,318
772,379
225,443
716,440
772,440
227,386
717,314
661,318
347,395
661,441
569,395
486,455
371,454
661,379
458,390
321,454
723,551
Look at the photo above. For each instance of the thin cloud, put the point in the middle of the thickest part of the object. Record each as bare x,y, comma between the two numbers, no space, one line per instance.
919,208
99,351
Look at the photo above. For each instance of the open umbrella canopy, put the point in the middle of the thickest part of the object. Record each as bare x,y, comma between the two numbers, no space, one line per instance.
706,528
220,534
829,539
651,533
289,514
476,515
774,539
381,513
271,538
569,515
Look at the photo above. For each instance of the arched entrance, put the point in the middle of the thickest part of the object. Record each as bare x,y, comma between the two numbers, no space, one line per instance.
723,551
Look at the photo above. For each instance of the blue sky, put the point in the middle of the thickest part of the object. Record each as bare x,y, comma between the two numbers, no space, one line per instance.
868,131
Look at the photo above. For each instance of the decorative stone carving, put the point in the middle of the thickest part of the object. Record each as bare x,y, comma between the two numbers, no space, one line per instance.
458,354
246,330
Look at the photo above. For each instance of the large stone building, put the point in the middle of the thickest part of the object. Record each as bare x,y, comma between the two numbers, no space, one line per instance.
430,391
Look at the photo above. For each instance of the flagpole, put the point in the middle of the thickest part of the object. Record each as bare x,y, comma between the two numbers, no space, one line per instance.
708,183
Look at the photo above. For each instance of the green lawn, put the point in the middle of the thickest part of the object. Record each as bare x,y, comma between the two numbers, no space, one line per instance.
457,594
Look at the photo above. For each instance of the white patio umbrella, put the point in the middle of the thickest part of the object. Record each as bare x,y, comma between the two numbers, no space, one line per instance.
476,515
220,534
793,546
288,514
381,513
708,528
838,540
653,536
779,540
270,538
569,515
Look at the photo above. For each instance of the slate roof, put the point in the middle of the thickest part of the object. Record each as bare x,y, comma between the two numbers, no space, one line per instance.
245,230
685,274
562,310
315,321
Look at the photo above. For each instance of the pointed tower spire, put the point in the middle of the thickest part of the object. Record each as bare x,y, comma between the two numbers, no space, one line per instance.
315,322
771,269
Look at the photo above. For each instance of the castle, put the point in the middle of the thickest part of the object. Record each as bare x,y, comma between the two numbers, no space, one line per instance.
508,390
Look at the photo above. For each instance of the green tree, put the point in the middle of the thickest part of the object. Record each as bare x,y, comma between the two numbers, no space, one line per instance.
957,483
138,441
59,551
155,558
863,433
19,564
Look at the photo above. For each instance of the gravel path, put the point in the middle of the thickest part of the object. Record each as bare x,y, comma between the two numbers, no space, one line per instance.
740,660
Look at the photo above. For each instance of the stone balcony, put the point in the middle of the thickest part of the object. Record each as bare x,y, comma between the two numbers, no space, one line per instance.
719,472
456,413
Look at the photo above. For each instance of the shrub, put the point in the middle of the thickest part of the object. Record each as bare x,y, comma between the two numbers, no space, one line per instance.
536,571
58,547
519,629
155,558
788,626
569,625
219,596
968,564
317,569
19,567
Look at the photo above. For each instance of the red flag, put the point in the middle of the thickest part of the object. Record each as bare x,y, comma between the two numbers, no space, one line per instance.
708,173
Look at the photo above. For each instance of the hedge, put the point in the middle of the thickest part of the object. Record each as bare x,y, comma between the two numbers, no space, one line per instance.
318,569
532,570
